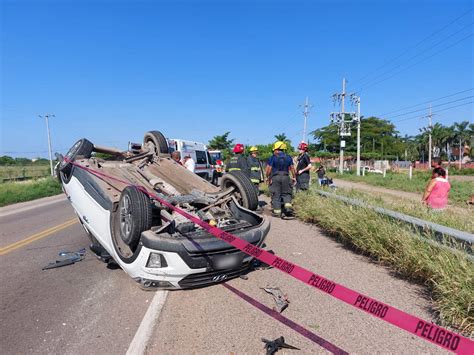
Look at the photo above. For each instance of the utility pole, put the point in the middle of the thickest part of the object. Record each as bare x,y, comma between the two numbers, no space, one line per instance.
339,118
46,118
430,127
356,99
306,112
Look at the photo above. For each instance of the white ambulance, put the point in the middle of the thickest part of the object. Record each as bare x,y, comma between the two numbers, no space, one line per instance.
198,151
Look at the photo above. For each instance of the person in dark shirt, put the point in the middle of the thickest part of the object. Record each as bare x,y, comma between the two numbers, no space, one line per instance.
238,161
303,167
321,172
278,170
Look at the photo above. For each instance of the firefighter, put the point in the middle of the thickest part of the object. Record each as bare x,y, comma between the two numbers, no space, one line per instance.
255,165
278,170
303,167
238,161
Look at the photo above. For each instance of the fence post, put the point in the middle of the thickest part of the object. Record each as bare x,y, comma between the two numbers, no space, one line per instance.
447,173
410,172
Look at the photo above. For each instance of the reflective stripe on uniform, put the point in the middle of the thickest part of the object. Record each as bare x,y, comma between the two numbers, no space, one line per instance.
232,169
255,168
255,181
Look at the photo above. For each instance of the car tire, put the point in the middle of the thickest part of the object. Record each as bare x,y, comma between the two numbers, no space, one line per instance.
158,140
246,193
133,216
82,147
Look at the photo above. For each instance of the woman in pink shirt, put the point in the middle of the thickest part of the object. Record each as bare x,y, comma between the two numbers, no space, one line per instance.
436,193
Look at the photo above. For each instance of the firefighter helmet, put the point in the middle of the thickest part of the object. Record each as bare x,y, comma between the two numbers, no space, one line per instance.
238,148
279,145
253,149
303,146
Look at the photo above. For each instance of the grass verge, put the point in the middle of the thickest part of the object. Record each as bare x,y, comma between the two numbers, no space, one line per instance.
13,192
454,217
461,191
448,275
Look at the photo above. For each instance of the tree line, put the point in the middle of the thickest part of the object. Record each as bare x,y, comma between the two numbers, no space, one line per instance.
9,161
379,140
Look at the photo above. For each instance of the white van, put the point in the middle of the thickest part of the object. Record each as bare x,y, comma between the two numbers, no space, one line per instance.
198,151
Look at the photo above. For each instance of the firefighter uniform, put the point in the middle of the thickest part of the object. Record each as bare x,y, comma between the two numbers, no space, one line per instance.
238,161
255,166
278,172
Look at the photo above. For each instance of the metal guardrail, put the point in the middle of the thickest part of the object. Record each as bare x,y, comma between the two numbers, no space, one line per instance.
465,238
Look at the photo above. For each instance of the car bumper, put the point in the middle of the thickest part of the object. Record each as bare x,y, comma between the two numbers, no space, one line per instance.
194,263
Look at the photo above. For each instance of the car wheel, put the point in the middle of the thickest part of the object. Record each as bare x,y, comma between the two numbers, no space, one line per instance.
158,140
134,216
82,147
245,193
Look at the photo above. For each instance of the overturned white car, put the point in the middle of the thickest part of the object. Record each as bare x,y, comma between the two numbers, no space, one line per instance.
159,248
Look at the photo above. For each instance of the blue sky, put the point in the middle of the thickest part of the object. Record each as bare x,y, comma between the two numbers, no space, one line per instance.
112,70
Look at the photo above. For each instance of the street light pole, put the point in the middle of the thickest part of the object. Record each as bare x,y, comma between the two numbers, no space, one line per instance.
46,118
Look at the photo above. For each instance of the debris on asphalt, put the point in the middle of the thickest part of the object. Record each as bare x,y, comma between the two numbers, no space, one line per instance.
260,265
69,258
281,300
272,346
244,277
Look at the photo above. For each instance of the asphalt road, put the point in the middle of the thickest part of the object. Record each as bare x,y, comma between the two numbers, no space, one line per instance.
86,308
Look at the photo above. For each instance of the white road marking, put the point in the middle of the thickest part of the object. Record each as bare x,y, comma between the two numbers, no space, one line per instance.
145,330
30,205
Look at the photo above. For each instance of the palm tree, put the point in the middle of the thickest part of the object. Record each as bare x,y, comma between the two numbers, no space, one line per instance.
463,134
281,137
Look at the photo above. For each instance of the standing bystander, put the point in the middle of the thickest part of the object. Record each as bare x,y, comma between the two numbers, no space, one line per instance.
303,167
321,172
189,163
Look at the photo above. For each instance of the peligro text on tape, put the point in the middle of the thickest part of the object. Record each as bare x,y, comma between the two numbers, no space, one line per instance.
425,330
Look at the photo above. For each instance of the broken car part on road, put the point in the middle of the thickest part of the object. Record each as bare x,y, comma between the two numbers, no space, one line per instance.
272,346
281,300
69,258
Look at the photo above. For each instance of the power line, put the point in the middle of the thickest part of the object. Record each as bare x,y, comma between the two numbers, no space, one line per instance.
415,46
419,62
444,109
422,109
415,56
426,102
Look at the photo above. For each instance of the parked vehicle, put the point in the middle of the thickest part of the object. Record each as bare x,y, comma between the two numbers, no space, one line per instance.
372,170
117,201
217,159
198,151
